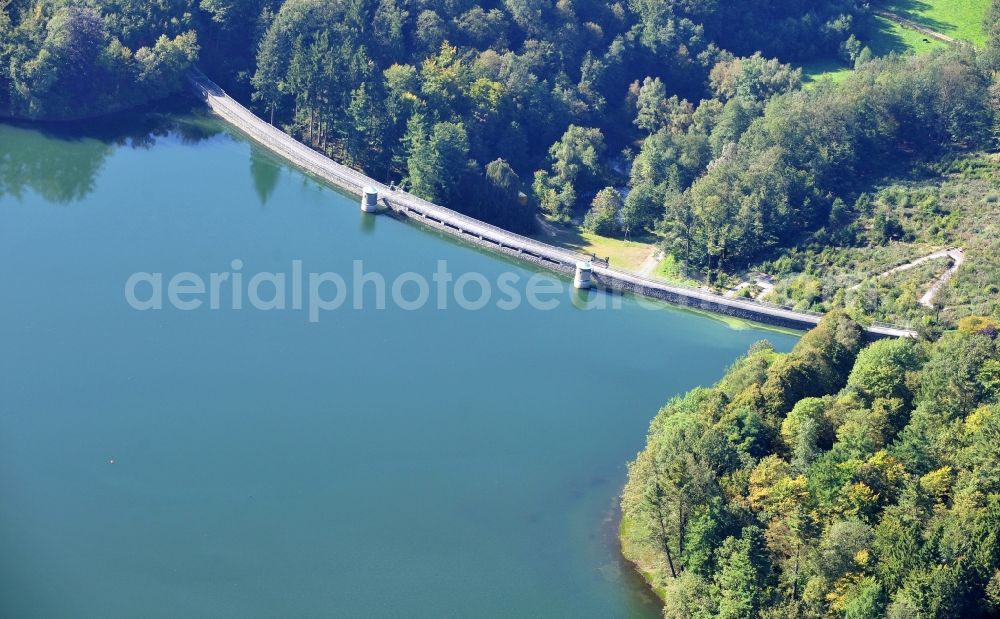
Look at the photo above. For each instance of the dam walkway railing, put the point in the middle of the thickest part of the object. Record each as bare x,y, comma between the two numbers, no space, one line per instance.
490,236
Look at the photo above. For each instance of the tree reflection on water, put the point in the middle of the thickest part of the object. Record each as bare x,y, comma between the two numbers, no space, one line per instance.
63,168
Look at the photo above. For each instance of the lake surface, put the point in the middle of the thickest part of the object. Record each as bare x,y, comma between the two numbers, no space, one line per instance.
248,463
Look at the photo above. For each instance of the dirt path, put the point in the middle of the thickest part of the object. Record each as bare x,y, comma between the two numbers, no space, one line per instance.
957,257
764,284
546,227
912,25
650,263
944,253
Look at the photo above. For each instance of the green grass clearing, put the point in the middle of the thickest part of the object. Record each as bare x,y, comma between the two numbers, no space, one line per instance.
625,255
887,37
959,19
819,70
890,37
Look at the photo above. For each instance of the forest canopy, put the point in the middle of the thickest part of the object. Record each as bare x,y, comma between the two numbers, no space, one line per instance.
838,480
431,91
63,60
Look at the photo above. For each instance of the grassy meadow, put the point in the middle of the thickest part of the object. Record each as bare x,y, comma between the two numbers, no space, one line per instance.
959,19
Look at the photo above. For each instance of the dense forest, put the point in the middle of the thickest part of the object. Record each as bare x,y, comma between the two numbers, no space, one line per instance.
61,60
798,165
683,103
838,480
544,93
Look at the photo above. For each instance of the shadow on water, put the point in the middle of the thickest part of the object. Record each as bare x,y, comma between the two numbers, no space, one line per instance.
63,167
265,173
641,600
367,225
595,298
580,298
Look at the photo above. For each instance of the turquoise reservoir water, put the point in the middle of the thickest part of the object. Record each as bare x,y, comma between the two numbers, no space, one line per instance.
248,463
